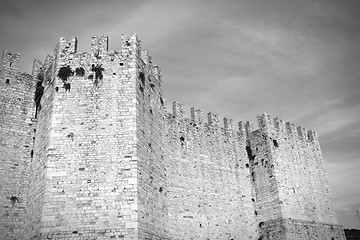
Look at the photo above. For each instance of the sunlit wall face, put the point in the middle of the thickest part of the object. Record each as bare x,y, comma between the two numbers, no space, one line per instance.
298,60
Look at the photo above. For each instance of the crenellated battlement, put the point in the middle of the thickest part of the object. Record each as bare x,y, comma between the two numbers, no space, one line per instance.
197,118
267,125
99,46
66,50
102,138
277,126
38,70
9,70
67,46
10,61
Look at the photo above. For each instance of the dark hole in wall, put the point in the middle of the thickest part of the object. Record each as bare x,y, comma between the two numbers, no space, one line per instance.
67,87
14,199
182,141
161,101
7,81
121,64
160,189
80,71
10,64
256,213
38,95
98,69
40,76
249,153
97,54
71,136
264,136
275,143
142,77
57,89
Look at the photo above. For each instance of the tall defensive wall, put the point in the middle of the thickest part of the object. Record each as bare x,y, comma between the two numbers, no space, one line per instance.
16,138
292,192
89,151
210,193
94,132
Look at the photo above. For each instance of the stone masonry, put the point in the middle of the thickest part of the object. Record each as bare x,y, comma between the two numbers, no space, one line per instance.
88,150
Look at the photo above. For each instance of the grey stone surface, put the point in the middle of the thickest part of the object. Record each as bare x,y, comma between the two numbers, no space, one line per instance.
98,156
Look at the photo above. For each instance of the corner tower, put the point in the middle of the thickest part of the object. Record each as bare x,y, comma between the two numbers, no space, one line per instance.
97,144
293,199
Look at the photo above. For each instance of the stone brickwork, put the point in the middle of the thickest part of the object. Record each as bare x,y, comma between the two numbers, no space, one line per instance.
209,187
289,177
16,137
300,230
150,125
89,151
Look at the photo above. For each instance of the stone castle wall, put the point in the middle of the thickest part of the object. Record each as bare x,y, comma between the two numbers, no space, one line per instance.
16,138
208,178
152,172
288,173
89,170
105,159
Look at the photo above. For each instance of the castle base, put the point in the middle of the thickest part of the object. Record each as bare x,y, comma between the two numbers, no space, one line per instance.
87,234
287,229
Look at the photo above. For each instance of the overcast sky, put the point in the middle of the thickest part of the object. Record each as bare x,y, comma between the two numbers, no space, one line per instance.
296,59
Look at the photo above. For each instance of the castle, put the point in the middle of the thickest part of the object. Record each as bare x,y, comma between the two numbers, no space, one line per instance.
89,151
